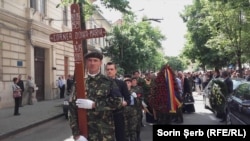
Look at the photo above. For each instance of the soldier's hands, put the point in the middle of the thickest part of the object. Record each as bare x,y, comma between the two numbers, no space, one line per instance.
85,103
124,103
144,104
134,94
81,138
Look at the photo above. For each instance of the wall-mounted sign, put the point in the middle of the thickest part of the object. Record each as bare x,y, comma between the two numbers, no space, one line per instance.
19,63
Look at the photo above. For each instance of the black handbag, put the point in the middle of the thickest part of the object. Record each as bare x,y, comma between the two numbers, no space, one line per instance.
188,99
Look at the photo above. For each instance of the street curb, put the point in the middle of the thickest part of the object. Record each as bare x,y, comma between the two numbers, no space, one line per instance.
5,135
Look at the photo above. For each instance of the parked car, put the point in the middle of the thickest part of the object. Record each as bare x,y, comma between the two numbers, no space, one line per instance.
214,94
238,105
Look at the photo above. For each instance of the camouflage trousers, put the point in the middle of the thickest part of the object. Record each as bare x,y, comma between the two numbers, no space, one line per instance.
131,123
99,131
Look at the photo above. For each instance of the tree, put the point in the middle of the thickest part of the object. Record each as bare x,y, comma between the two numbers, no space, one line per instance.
230,23
135,46
87,8
120,5
175,63
198,34
217,32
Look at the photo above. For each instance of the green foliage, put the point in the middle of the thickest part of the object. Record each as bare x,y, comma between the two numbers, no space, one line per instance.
120,5
175,63
229,24
135,46
217,31
120,71
198,33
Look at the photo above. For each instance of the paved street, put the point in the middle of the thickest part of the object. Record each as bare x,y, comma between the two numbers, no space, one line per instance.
202,116
33,122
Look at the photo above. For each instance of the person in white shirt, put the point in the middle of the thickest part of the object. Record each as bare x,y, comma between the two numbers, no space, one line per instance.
30,89
61,85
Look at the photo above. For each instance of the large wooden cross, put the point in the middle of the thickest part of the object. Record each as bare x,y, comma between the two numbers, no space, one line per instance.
77,35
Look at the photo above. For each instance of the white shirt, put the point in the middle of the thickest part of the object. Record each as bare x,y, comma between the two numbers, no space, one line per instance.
179,83
30,84
61,82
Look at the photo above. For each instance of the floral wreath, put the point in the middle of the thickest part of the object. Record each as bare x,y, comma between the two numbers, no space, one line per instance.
164,97
218,96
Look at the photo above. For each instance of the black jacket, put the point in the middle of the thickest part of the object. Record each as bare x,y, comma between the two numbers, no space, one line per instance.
124,90
228,81
186,86
21,85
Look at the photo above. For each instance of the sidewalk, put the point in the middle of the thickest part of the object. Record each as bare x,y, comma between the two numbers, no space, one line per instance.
31,115
197,96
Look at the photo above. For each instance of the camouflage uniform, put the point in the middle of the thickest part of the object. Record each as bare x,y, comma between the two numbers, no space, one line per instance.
147,90
105,93
131,121
140,82
138,104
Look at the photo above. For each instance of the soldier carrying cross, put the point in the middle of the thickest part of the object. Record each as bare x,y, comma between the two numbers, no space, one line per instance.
90,110
102,97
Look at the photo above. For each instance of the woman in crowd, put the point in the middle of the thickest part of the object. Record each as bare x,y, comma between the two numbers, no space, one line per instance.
16,89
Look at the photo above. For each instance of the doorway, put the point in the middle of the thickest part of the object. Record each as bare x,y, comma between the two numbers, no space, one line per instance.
39,54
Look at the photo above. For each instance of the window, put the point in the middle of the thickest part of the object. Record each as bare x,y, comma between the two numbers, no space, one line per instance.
38,5
65,15
242,92
33,4
95,38
247,94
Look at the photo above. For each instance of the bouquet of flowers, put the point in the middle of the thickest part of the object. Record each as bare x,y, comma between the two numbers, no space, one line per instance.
218,95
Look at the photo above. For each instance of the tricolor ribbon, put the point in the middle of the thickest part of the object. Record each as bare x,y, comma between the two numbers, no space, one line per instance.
172,103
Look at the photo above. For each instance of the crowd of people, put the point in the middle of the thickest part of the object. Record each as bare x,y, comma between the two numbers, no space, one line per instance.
115,106
202,78
63,85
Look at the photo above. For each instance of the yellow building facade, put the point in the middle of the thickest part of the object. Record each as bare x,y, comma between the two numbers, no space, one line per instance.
25,48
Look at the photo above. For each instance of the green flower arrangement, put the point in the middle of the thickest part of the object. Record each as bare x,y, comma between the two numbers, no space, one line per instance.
218,95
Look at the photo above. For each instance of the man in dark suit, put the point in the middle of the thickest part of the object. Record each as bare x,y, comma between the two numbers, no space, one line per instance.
111,71
70,83
229,83
186,90
21,85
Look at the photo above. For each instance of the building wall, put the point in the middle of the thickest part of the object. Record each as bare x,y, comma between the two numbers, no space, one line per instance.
98,21
22,29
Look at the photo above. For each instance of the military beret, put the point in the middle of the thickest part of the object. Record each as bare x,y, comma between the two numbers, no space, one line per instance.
94,54
127,79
